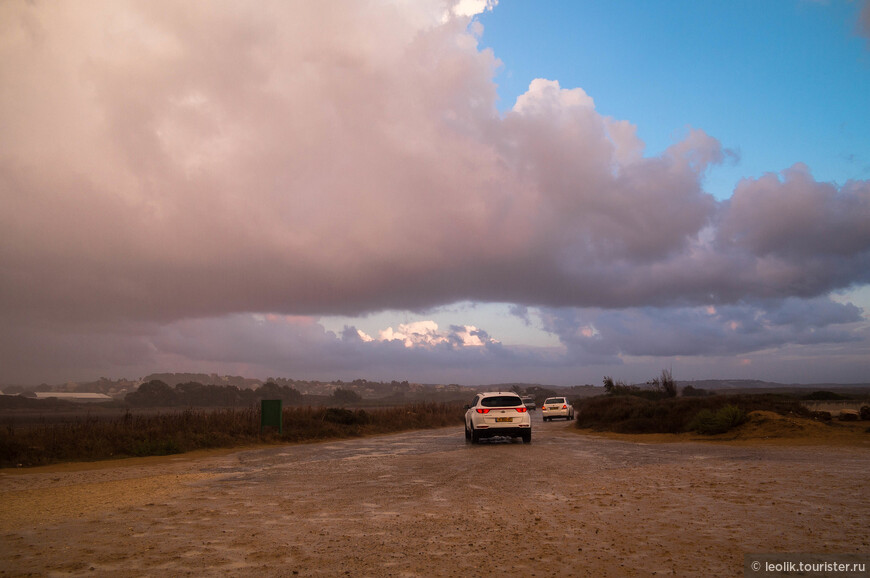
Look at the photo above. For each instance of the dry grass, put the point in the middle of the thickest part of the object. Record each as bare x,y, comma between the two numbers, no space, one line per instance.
87,438
764,428
635,414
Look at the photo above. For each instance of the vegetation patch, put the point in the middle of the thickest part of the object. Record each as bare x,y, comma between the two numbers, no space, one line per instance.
825,396
87,438
706,415
662,387
708,422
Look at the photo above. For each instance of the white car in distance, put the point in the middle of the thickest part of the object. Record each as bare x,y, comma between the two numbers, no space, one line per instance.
557,407
495,414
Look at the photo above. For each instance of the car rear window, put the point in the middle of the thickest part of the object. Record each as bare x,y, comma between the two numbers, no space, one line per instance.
501,401
555,400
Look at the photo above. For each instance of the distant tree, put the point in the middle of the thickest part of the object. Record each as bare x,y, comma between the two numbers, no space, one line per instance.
399,386
271,390
155,393
824,396
667,383
691,391
344,396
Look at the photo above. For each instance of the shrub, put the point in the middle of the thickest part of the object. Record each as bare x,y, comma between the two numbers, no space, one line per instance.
666,384
691,391
660,387
345,416
632,414
708,422
612,387
865,412
824,396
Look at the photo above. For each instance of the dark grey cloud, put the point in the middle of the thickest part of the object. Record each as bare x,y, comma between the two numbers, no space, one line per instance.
596,342
706,331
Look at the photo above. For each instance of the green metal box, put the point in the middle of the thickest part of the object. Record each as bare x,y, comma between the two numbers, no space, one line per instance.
271,414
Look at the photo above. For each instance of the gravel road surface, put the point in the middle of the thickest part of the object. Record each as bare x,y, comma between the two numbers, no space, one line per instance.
429,504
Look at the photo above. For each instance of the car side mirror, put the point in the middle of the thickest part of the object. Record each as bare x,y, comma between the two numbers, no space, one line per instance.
467,407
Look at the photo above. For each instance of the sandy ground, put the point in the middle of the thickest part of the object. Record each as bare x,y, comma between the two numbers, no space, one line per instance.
429,504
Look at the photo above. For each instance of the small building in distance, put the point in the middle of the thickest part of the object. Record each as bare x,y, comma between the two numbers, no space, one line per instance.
75,397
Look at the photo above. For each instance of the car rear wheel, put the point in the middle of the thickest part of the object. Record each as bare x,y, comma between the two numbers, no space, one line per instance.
527,437
474,436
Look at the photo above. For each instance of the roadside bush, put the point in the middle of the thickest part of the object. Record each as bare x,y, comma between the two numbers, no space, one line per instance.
345,416
865,412
632,414
708,422
821,415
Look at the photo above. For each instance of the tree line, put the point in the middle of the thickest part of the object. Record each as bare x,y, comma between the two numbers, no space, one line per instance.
156,393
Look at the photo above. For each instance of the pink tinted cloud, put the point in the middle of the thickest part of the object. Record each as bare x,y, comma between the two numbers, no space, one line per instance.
163,162
169,160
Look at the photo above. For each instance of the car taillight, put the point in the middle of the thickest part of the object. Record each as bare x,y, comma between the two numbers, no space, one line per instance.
564,407
482,410
521,409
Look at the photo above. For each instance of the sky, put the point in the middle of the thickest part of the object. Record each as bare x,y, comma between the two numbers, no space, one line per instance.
439,191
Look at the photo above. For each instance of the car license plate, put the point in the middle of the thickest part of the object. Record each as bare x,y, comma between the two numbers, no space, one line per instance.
498,419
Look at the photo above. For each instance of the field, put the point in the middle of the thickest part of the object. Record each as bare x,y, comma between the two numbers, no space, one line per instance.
31,439
43,432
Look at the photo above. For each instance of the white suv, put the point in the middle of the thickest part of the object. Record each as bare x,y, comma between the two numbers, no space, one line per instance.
497,414
557,407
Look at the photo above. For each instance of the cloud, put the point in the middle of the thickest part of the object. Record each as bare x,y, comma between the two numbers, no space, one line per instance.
594,334
634,343
168,169
795,217
427,334
864,19
209,162
468,8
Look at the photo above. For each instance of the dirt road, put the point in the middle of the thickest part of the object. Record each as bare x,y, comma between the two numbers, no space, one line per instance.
429,504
